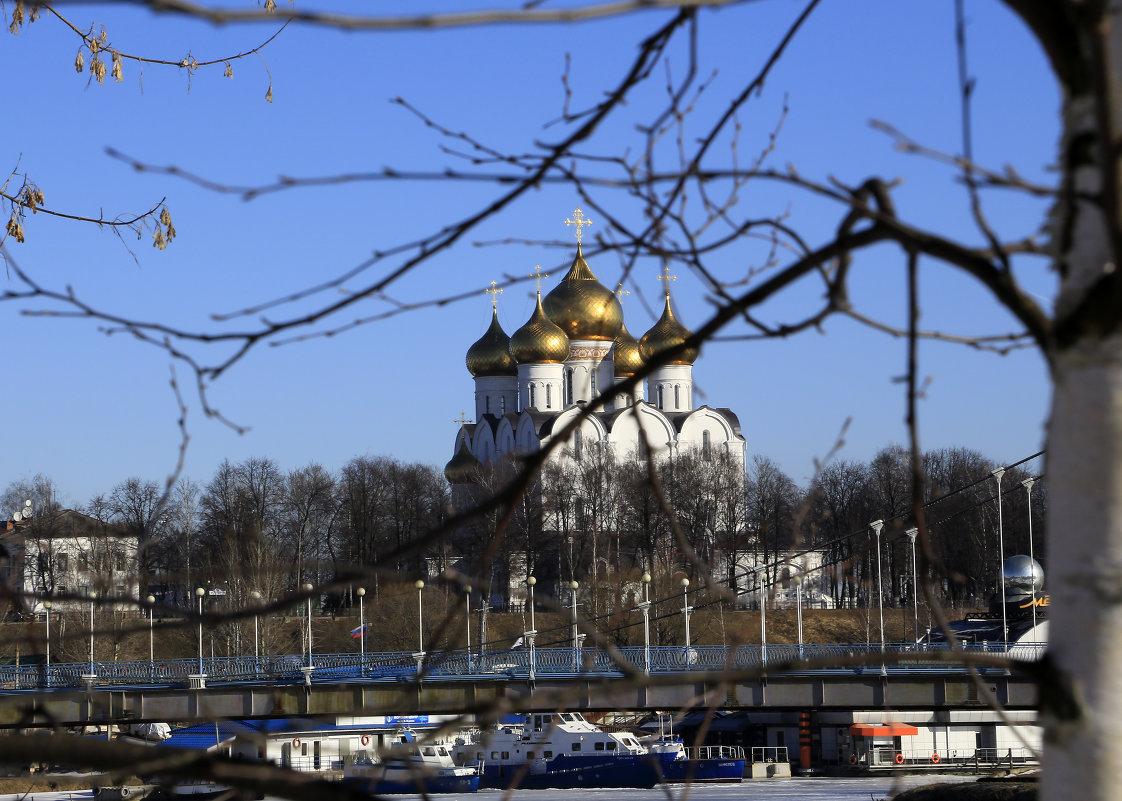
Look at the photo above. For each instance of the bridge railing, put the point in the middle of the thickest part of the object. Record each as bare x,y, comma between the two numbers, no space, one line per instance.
513,663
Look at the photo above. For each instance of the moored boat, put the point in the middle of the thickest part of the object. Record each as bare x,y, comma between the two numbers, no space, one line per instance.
558,750
706,763
409,766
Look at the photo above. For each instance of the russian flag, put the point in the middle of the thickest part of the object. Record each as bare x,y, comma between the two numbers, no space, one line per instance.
358,631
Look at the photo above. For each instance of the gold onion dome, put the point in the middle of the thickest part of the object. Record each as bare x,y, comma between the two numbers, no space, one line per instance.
490,355
667,333
539,341
627,356
582,306
463,468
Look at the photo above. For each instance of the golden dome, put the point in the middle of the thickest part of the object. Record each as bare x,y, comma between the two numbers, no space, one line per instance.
626,353
666,334
539,341
490,355
582,306
463,468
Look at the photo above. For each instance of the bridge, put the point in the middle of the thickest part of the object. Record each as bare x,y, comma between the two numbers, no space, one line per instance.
735,677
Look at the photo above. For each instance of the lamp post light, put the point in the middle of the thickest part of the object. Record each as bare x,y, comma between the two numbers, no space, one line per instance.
998,473
420,655
686,609
47,605
361,593
307,587
151,601
92,597
467,618
877,525
763,624
799,609
645,608
912,533
1027,484
574,585
200,592
255,596
533,632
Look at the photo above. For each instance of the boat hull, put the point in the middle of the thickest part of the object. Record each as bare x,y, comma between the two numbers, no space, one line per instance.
570,772
702,770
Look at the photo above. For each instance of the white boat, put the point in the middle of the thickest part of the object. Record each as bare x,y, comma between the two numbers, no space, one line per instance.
410,766
556,750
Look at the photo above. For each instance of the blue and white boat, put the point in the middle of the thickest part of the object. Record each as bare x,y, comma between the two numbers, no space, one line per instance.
410,766
557,750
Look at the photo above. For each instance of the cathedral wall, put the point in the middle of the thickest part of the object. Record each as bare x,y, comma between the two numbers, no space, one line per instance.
495,395
539,386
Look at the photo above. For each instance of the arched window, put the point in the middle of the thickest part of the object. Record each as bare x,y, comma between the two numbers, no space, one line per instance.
533,402
677,397
578,443
659,404
502,404
549,396
487,405
706,448
569,386
594,382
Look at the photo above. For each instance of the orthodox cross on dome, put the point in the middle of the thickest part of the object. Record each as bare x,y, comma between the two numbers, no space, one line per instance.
620,291
580,221
538,275
462,419
494,292
667,277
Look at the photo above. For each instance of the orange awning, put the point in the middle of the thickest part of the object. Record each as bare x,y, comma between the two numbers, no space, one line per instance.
882,729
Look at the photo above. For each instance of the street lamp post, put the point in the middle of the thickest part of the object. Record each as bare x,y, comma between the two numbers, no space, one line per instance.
998,473
574,585
361,593
645,608
686,609
308,588
200,592
255,596
151,601
420,655
467,618
93,597
763,624
912,533
799,609
533,632
1027,484
47,605
877,525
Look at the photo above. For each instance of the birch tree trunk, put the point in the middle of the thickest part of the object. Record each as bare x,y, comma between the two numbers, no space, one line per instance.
1082,757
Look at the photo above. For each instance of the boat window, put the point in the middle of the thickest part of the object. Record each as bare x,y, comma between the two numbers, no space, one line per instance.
529,755
494,755
612,745
548,755
428,750
442,751
566,716
599,746
506,754
576,746
578,716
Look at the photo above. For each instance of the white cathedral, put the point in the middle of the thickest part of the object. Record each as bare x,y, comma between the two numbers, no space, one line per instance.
573,349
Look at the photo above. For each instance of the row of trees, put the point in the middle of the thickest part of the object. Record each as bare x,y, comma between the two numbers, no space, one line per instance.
253,527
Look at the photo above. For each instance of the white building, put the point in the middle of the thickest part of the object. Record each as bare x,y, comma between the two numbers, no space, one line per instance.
66,555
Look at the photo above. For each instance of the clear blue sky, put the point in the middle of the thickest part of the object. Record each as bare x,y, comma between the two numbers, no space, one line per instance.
90,410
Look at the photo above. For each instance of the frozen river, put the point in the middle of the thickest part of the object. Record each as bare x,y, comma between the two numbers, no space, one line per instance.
800,789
